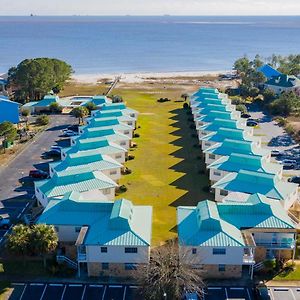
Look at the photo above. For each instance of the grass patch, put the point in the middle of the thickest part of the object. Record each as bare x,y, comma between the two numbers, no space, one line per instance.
290,272
165,171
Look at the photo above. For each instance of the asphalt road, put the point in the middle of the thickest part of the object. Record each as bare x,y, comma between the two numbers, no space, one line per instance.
29,158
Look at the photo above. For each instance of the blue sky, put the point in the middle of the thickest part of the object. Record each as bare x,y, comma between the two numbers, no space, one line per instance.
150,7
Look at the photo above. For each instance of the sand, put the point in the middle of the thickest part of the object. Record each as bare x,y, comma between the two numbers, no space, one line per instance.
141,77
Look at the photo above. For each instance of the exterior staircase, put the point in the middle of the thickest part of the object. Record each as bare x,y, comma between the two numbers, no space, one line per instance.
259,266
64,259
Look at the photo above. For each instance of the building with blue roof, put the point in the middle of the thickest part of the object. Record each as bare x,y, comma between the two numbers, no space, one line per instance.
283,83
268,71
92,184
119,106
44,104
9,110
222,238
109,238
252,182
236,162
215,115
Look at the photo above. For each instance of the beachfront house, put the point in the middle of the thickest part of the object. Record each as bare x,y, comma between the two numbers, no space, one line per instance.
283,83
99,134
268,71
222,134
92,184
94,162
84,148
229,146
203,120
236,162
251,182
9,110
221,123
119,106
204,109
222,239
123,115
44,104
105,238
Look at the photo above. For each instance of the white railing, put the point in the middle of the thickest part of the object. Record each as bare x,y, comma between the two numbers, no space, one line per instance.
71,263
248,259
258,266
279,244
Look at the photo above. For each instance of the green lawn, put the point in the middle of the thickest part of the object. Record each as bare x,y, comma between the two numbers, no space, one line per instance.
289,273
165,171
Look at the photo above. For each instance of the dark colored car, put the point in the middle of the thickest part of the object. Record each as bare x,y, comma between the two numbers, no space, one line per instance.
38,174
294,179
262,293
245,116
51,153
252,123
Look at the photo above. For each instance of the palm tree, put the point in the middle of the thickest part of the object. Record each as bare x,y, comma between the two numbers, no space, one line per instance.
167,276
44,240
18,240
184,96
80,113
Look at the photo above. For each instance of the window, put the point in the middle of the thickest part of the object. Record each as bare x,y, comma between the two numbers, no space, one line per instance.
211,156
118,156
105,266
131,250
129,266
203,133
123,143
221,268
194,250
207,144
219,251
126,132
130,123
77,229
106,191
103,249
223,193
113,172
217,173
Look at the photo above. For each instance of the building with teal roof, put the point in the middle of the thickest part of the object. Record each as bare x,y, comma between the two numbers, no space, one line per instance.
283,83
99,134
236,162
227,133
93,184
44,104
94,162
113,113
215,115
116,114
120,106
107,123
105,236
85,148
224,238
251,182
229,146
221,123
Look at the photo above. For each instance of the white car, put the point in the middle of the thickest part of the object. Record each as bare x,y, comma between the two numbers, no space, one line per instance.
56,149
69,133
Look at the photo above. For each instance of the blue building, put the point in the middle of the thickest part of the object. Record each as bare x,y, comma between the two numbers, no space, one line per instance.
9,110
268,71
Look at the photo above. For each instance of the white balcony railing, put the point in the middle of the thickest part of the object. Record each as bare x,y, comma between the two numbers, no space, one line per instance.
283,244
81,257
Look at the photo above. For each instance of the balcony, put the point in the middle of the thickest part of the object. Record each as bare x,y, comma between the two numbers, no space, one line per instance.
248,259
282,244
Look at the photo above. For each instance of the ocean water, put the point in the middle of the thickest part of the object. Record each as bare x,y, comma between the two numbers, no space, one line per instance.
145,44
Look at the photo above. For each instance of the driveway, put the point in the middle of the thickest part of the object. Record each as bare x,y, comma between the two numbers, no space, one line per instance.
29,158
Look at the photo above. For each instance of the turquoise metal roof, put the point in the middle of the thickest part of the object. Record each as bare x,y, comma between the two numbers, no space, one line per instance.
118,106
46,101
113,113
103,146
214,107
235,162
201,103
202,226
221,123
118,223
80,180
229,146
251,182
94,162
214,224
217,115
228,133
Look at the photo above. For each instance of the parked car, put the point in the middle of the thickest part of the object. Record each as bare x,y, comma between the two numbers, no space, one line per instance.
38,174
261,292
251,123
190,296
245,116
294,179
289,163
276,153
55,148
69,133
4,221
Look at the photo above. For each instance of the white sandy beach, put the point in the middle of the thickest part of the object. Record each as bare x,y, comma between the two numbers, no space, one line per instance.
140,77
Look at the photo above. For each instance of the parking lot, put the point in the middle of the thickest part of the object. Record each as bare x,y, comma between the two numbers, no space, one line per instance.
223,293
51,291
284,293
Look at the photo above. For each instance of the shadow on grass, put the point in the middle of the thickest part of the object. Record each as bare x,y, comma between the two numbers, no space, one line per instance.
194,180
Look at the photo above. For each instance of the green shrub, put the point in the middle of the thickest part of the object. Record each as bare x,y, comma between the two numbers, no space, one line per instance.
25,112
42,120
242,108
